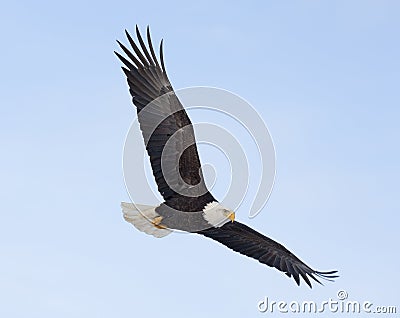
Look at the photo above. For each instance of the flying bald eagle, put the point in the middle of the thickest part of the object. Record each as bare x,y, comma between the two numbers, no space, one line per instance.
171,146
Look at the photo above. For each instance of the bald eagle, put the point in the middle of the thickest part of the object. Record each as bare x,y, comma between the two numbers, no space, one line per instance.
170,143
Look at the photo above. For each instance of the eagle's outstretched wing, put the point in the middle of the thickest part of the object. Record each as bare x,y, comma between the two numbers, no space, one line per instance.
166,128
241,238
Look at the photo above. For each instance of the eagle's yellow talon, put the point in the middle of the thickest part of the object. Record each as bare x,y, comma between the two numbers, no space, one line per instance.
157,221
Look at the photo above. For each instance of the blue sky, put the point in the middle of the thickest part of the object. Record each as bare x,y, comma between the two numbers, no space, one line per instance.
323,76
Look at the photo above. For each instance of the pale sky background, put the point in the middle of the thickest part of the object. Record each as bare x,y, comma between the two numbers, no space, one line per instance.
323,75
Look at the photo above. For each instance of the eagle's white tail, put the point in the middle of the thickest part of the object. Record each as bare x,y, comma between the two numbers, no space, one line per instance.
141,217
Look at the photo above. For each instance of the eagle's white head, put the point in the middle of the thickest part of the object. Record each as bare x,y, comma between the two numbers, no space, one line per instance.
217,215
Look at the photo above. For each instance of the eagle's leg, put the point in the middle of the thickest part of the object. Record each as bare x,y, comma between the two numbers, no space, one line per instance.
157,222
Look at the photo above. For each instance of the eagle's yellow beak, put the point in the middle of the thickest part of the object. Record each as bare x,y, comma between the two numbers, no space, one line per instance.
232,216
